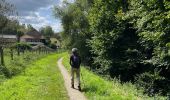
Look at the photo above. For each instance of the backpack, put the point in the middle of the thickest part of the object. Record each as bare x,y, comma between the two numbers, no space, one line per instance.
76,61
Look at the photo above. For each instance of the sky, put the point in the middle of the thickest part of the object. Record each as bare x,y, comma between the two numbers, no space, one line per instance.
38,13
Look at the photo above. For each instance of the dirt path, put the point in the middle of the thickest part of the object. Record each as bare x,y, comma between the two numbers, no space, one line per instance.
74,94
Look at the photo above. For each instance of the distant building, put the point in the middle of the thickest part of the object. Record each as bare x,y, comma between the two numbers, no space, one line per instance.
55,41
8,39
33,37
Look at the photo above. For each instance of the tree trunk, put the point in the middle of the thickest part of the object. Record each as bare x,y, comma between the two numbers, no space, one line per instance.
161,4
124,6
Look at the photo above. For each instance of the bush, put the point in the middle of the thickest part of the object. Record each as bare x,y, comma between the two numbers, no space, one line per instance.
16,66
152,83
4,71
53,46
22,46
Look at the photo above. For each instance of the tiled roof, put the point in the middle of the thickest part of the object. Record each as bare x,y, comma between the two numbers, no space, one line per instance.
33,34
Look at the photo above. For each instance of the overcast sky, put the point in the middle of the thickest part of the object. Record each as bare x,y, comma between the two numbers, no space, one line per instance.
38,13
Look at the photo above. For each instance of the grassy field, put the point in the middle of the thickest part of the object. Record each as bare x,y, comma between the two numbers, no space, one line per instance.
40,81
97,88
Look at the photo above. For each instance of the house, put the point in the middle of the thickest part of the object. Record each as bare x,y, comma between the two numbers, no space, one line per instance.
33,37
55,41
7,39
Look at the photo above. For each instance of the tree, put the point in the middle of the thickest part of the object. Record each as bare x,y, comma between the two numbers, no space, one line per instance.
11,27
47,31
128,39
132,43
76,25
124,5
114,41
6,9
30,27
58,36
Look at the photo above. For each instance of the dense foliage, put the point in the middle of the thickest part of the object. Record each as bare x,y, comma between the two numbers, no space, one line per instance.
128,39
99,88
6,9
22,46
76,26
47,31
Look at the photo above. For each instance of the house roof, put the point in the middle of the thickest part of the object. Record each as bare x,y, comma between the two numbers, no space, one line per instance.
5,40
33,34
8,36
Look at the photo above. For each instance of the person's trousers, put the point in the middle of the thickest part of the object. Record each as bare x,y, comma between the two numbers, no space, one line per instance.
77,71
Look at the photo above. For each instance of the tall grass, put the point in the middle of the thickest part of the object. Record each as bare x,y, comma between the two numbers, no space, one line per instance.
19,63
98,88
40,81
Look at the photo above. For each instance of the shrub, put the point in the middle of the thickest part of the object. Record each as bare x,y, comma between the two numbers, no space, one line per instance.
22,46
152,83
4,71
53,46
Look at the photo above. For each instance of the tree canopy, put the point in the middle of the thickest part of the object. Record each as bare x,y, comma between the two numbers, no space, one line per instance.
6,9
47,31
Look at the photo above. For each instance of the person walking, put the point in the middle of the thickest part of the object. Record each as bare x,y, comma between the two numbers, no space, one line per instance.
75,62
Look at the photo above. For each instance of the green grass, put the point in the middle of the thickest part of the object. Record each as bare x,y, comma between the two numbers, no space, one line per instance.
41,80
98,88
18,64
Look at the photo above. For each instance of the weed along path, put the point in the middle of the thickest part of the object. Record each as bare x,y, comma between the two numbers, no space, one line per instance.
73,93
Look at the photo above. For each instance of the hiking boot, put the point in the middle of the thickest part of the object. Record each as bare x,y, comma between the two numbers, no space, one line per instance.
79,88
72,86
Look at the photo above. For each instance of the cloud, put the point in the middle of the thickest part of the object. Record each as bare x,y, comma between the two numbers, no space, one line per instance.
38,13
24,7
39,21
36,19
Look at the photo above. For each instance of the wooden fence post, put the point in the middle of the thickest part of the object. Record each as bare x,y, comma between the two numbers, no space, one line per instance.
12,55
2,56
18,50
39,50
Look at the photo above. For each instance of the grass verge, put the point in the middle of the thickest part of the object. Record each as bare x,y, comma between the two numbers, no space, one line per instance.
97,88
19,63
42,80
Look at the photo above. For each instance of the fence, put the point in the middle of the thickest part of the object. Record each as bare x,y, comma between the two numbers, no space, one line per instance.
8,45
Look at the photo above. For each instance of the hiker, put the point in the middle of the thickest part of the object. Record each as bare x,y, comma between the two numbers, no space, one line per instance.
75,62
